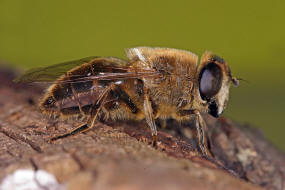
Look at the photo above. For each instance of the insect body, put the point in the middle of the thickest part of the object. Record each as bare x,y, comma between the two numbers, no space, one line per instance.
154,83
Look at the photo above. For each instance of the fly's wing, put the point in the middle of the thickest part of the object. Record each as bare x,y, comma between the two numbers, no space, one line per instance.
86,69
52,73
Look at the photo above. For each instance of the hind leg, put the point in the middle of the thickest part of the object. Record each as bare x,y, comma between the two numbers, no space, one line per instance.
96,108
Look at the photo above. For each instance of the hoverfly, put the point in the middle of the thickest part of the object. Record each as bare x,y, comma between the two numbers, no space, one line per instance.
154,83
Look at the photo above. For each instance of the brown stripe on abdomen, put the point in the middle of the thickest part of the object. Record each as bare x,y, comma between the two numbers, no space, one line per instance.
63,100
61,91
123,97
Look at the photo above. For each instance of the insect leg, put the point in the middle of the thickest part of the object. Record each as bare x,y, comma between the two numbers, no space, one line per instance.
95,110
200,126
78,130
149,116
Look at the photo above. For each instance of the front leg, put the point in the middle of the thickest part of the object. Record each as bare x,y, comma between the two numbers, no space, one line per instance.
202,140
200,127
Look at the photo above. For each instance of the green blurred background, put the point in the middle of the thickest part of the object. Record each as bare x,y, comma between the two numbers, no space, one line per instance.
250,35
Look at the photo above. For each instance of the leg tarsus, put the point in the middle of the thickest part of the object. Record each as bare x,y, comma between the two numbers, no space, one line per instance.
76,131
221,166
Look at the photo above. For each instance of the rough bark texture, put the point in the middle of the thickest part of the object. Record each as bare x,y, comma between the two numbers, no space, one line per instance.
118,155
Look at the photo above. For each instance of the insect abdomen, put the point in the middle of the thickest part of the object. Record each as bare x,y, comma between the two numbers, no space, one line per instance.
70,98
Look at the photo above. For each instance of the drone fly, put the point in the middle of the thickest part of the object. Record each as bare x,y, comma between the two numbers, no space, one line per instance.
154,83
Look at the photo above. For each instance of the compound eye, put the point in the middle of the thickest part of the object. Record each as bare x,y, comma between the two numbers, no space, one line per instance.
210,81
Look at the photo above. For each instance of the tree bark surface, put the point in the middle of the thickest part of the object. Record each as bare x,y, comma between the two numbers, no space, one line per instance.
118,155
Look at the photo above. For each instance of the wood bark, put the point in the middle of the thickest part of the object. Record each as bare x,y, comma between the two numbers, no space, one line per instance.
118,155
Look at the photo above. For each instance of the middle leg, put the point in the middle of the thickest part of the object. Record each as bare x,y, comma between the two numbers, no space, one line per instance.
149,116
